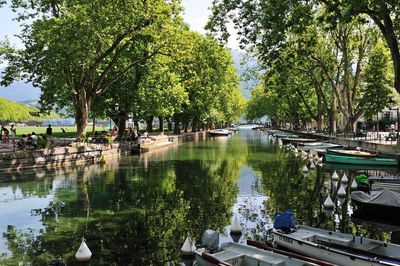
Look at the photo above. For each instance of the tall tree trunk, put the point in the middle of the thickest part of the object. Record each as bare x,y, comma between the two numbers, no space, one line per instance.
177,129
94,125
185,127
319,122
149,123
194,125
332,115
121,123
169,123
161,122
82,105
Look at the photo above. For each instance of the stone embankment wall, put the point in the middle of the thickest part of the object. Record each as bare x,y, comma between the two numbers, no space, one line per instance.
188,136
58,156
80,153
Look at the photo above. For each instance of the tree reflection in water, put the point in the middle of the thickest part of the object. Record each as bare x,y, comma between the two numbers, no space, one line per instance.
137,211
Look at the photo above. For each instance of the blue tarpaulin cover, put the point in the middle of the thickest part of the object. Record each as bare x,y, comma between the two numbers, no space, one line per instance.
285,220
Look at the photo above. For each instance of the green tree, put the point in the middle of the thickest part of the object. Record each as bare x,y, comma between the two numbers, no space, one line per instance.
72,49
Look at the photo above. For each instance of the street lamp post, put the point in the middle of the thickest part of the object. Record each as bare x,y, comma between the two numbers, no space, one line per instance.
398,121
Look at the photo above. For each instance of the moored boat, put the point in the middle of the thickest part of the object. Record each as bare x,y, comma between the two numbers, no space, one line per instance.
379,201
242,255
319,145
338,248
287,140
219,132
360,160
355,153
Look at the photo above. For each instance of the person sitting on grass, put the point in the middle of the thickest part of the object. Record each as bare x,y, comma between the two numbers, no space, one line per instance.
22,142
31,142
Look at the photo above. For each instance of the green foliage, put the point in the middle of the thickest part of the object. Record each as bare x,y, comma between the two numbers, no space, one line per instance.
42,142
377,78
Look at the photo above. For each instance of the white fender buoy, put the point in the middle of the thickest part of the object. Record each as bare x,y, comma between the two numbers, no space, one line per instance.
319,159
312,166
235,226
295,150
305,169
354,184
83,253
303,153
328,203
188,248
344,179
335,176
341,192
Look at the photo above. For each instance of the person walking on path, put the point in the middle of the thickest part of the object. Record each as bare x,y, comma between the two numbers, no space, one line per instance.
5,135
13,133
49,132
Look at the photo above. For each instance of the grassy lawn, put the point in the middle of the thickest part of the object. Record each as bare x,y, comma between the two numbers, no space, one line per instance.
70,132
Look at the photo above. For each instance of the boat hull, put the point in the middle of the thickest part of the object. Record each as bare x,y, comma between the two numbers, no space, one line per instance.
354,250
341,159
296,140
353,153
307,146
244,255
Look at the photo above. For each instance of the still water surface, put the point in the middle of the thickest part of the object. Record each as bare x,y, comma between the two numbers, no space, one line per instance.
138,210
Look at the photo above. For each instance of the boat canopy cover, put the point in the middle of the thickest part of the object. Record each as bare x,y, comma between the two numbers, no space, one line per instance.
362,178
285,220
385,197
210,240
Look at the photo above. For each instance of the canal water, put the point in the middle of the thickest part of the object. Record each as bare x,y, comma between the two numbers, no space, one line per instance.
138,210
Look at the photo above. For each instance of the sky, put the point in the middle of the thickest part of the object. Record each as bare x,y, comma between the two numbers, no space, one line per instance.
196,15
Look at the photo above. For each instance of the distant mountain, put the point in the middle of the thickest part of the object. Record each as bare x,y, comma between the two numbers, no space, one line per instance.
21,92
238,57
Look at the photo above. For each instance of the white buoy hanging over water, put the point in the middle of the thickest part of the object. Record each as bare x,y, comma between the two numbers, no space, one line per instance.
188,247
341,192
328,203
83,253
354,184
295,150
312,166
344,179
235,226
335,176
305,169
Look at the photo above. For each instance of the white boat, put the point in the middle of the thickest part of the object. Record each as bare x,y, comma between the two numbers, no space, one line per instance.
242,255
338,248
219,132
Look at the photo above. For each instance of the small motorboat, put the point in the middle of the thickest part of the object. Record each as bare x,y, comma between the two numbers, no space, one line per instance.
296,140
354,153
319,145
219,132
338,248
234,254
360,160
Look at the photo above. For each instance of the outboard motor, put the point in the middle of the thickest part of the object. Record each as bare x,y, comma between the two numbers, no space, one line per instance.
210,240
285,221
